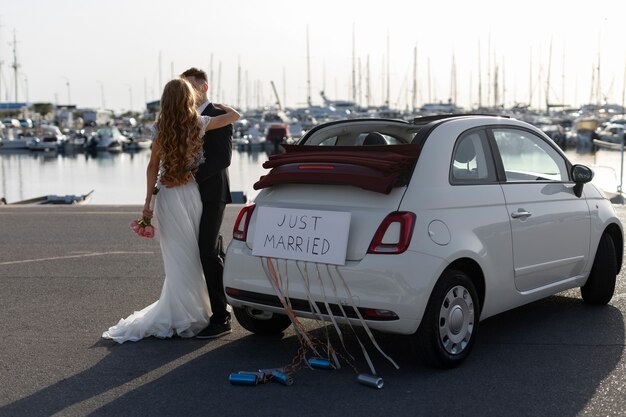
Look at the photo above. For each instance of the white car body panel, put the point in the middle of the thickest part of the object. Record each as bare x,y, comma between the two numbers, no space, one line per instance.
376,282
520,261
552,244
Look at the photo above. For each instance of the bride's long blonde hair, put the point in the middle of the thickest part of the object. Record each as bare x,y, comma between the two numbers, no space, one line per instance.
178,132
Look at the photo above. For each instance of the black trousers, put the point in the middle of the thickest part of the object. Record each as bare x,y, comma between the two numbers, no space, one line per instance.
212,258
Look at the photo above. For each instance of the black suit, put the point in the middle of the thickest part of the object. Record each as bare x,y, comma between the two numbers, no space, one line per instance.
212,179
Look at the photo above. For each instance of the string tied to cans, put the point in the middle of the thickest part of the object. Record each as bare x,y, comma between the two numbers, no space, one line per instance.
323,355
281,376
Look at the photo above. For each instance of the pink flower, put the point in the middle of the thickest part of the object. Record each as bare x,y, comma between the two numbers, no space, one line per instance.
134,225
148,231
143,227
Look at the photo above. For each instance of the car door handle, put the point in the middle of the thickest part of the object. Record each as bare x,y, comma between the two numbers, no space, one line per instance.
521,214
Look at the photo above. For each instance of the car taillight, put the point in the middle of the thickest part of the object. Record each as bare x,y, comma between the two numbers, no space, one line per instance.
240,229
394,233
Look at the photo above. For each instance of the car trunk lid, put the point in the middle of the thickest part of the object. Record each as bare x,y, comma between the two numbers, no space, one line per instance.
367,182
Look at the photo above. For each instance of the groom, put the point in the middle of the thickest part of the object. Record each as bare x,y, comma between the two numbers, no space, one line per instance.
212,179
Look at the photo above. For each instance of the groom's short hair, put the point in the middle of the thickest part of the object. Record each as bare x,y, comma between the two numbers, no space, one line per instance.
195,73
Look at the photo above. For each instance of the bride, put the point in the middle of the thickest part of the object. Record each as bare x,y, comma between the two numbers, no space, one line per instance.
183,307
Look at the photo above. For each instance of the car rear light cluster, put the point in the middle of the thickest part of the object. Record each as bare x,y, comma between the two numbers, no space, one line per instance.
240,229
394,233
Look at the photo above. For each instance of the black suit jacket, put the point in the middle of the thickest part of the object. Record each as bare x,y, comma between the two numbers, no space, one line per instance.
212,174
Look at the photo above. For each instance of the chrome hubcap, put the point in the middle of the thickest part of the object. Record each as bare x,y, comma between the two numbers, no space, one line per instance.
456,320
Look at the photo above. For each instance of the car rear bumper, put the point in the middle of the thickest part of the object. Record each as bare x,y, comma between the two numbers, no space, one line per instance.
400,284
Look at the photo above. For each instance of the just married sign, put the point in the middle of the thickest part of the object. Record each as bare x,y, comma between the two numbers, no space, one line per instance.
306,235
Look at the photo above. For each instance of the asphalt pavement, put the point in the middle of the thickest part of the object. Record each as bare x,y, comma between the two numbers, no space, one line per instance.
67,273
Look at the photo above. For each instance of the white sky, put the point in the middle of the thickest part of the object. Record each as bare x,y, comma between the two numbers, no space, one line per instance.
113,47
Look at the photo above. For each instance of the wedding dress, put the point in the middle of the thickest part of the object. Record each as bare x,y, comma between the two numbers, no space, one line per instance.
183,307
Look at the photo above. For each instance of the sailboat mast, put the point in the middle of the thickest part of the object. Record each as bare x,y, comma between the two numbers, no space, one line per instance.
368,91
480,84
496,91
495,86
593,83
504,83
530,78
489,68
360,83
353,67
15,64
239,82
284,86
624,89
308,70
388,73
453,80
598,88
382,80
414,97
430,100
470,92
563,78
219,82
539,75
548,78
247,91
211,85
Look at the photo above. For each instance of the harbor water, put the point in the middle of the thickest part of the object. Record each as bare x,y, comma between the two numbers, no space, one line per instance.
119,178
115,178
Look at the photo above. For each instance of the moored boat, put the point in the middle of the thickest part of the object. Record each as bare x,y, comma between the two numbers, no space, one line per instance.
19,143
107,138
56,199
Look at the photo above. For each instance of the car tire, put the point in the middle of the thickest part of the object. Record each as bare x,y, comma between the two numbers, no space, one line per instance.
261,322
600,285
448,329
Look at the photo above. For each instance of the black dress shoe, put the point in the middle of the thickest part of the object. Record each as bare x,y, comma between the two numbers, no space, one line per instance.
214,330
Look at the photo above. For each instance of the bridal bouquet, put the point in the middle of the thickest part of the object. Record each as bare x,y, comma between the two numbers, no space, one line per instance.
143,227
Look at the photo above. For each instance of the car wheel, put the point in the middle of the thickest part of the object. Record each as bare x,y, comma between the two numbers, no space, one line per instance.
450,323
600,285
261,322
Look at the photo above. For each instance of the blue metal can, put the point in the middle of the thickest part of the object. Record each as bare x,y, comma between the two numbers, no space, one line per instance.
260,376
373,381
243,379
285,379
320,363
268,371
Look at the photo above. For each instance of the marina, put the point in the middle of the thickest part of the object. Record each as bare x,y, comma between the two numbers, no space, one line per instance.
118,178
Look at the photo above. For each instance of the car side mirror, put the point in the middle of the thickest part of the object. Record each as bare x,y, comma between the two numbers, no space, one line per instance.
581,175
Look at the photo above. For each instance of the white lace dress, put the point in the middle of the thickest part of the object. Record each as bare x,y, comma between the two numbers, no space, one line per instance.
183,307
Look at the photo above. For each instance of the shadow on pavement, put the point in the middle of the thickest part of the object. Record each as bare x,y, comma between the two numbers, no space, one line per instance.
547,358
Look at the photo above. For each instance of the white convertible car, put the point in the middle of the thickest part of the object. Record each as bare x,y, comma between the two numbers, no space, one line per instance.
421,228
